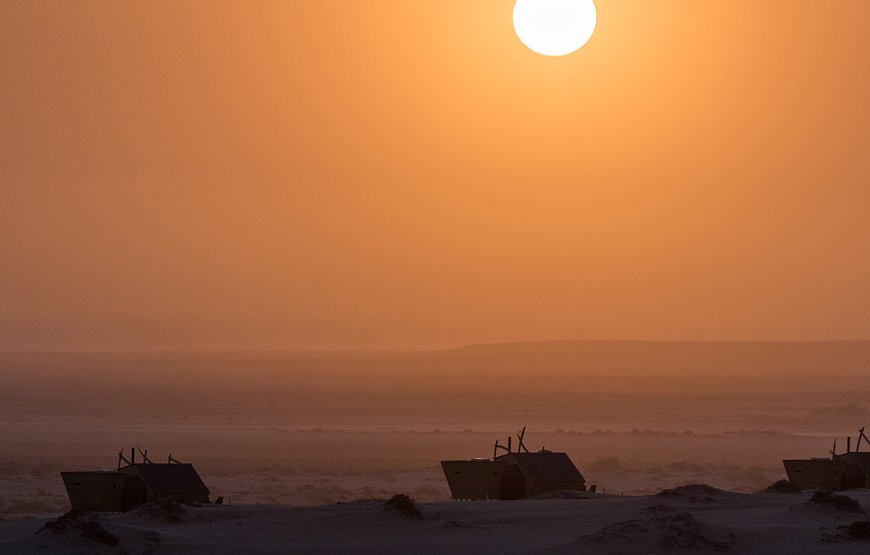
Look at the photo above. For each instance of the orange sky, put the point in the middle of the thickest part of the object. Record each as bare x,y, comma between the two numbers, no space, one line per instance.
400,174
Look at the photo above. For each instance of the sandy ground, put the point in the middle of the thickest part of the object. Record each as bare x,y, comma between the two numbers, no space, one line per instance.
689,519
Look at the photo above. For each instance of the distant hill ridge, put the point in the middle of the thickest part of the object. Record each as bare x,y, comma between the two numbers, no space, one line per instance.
674,357
499,368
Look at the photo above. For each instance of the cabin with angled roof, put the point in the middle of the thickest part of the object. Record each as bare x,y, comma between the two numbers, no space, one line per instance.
842,471
134,484
513,475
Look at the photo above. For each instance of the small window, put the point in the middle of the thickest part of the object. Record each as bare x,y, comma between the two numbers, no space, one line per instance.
77,484
457,472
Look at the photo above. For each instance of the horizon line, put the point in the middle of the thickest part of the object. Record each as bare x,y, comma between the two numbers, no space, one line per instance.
414,349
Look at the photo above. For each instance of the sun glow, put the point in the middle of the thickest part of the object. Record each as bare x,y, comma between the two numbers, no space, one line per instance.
554,27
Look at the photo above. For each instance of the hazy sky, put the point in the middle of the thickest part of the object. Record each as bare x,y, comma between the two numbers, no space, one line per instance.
366,174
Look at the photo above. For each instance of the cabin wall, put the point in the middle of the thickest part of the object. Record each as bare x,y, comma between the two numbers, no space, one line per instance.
184,497
95,491
177,496
857,473
473,480
816,473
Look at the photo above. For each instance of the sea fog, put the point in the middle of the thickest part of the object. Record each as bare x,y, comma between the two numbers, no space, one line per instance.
316,428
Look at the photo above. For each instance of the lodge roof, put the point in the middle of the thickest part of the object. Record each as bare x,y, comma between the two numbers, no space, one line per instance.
168,479
545,466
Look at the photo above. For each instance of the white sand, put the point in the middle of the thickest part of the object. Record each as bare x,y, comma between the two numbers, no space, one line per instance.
693,520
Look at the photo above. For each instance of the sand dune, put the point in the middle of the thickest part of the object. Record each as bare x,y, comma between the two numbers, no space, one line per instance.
690,519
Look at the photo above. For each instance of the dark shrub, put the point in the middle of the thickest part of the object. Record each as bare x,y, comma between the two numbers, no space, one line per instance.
166,508
782,486
859,530
82,522
404,504
840,502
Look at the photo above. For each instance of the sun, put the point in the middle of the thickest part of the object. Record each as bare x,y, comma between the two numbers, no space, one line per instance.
554,27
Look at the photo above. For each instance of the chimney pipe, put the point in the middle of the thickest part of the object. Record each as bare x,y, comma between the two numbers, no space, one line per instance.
509,444
132,455
849,444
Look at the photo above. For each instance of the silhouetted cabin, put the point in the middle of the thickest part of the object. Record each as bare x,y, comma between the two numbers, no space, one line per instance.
514,475
133,485
849,470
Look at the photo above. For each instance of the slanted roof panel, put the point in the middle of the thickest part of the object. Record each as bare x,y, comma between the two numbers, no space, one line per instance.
546,466
170,479
862,460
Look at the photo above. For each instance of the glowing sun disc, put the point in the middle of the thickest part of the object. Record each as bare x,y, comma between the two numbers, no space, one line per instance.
554,27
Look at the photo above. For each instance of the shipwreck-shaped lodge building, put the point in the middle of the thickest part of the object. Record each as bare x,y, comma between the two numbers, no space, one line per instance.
512,475
849,470
133,484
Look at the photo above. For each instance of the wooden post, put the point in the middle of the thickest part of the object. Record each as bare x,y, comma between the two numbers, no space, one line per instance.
860,437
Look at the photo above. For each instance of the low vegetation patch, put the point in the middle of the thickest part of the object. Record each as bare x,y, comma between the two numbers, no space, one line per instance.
404,504
782,486
859,530
84,524
840,502
692,492
166,509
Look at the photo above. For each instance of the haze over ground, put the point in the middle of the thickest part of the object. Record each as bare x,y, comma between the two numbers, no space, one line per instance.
407,174
303,428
